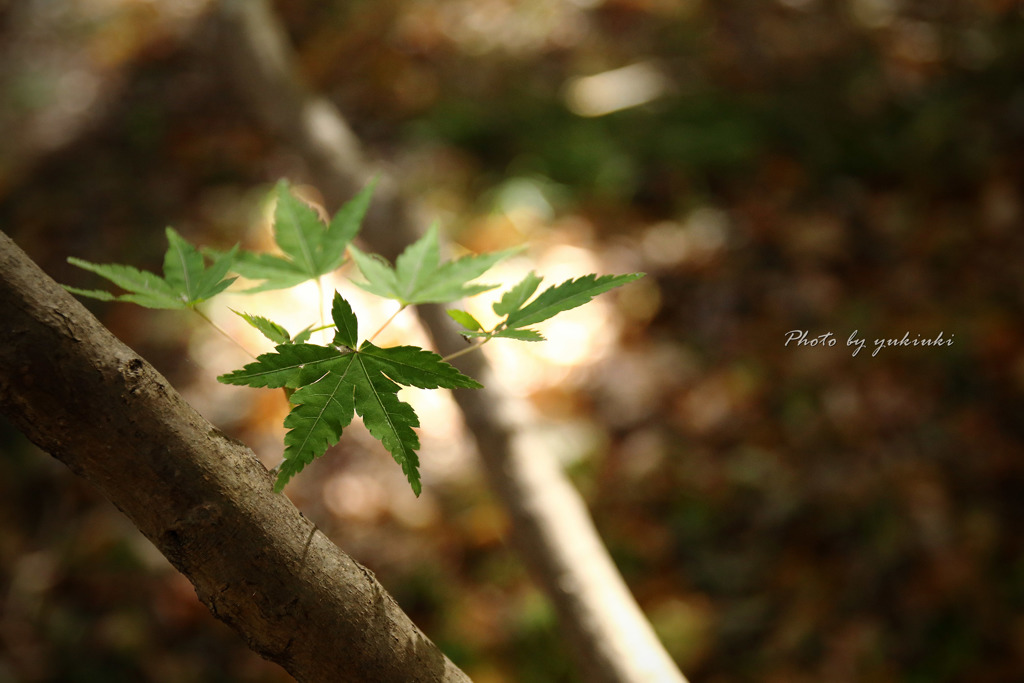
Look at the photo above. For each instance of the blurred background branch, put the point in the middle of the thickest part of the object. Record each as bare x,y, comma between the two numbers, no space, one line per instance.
611,640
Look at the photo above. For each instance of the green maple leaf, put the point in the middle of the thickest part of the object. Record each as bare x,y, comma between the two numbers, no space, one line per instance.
272,331
553,300
466,320
185,283
419,277
518,314
310,247
334,382
512,300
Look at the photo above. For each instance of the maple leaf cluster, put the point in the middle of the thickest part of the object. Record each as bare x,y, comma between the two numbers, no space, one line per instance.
328,384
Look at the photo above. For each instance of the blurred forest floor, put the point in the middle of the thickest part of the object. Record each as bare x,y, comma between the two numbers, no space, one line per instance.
782,513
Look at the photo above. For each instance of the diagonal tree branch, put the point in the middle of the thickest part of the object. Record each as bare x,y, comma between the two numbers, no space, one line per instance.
203,499
608,633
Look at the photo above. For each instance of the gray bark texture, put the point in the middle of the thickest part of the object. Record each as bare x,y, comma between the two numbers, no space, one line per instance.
203,499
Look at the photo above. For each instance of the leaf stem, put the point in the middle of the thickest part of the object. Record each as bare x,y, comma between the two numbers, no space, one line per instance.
320,303
219,329
388,322
466,350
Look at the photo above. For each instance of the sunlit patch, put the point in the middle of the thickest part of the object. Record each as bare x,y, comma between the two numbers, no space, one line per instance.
434,408
567,441
573,339
615,90
520,371
570,342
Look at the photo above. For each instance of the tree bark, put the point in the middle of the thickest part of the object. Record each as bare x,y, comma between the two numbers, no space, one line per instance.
202,498
609,636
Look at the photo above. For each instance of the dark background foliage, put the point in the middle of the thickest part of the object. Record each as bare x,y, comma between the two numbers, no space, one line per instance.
782,513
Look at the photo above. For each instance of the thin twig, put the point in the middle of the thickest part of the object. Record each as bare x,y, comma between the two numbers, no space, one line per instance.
228,336
463,352
320,303
387,322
